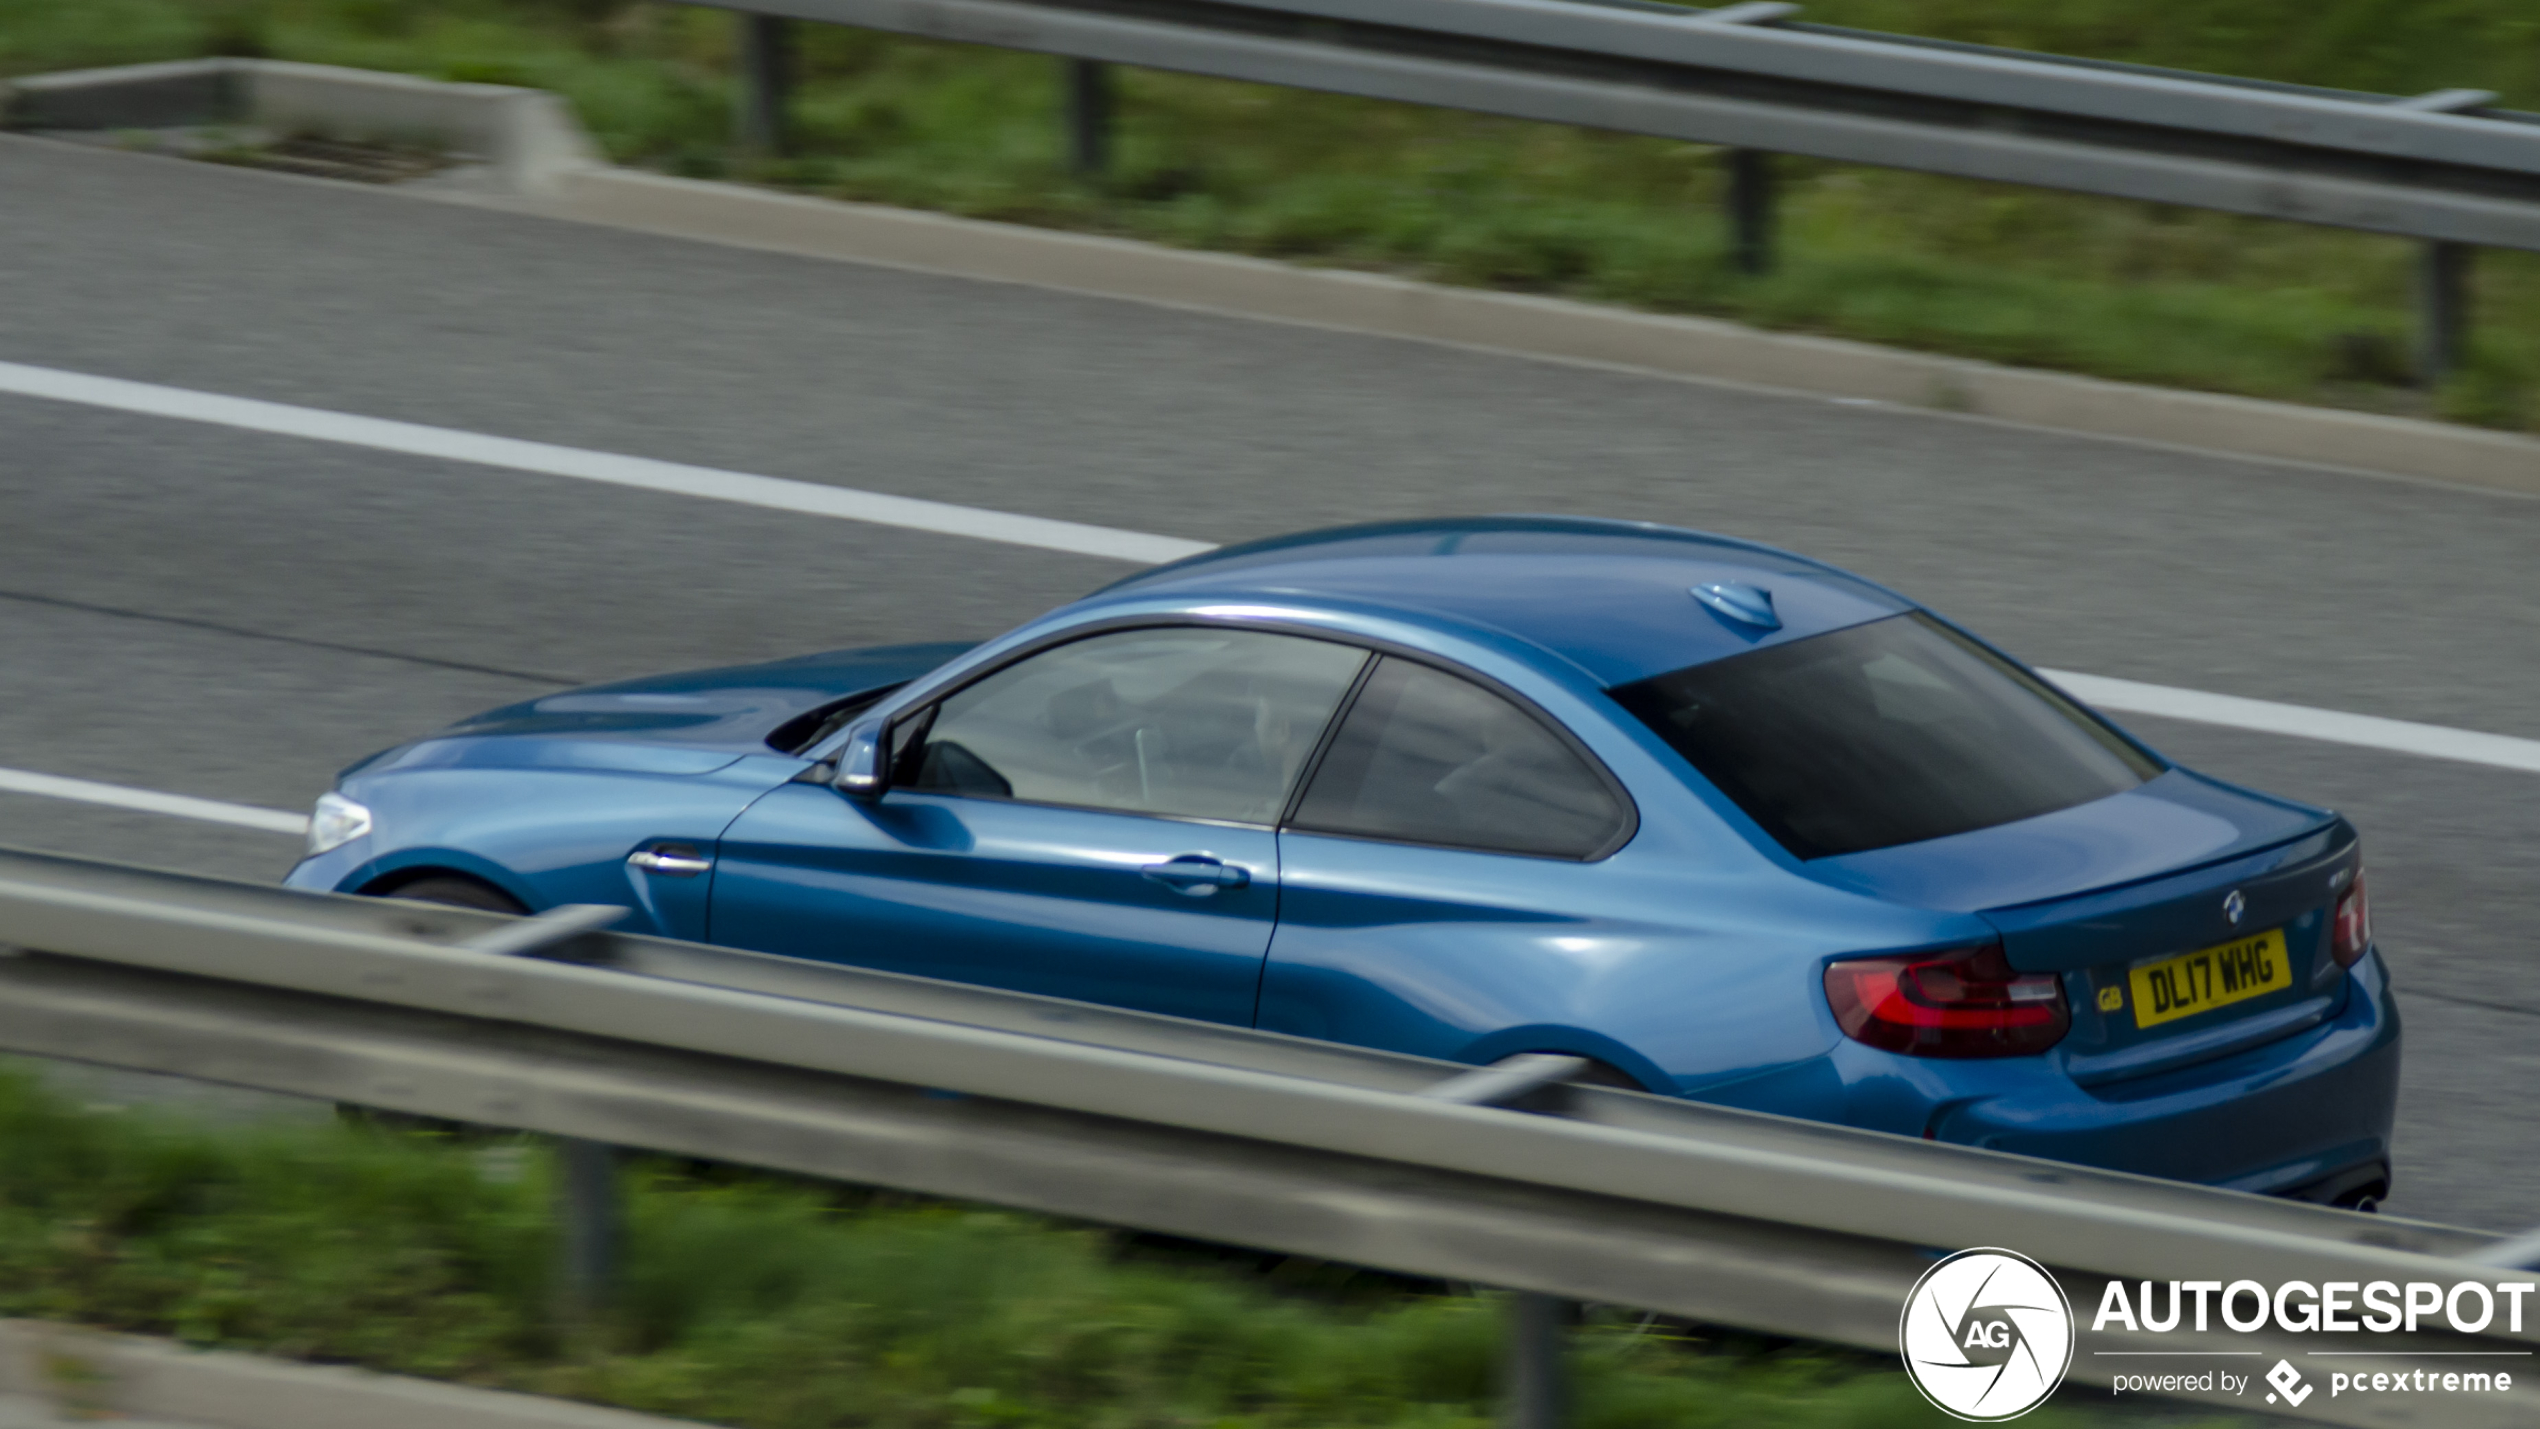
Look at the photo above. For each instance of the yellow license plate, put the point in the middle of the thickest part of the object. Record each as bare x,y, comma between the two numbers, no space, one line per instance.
2209,978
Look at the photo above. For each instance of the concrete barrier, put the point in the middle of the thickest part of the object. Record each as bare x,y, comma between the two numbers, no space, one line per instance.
527,138
154,96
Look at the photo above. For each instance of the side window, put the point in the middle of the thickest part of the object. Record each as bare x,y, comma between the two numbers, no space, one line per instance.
1195,722
1426,757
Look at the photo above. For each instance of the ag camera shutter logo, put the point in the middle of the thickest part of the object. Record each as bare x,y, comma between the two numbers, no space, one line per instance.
1986,1335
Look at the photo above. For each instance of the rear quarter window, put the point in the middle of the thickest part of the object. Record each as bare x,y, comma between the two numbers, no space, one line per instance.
1427,757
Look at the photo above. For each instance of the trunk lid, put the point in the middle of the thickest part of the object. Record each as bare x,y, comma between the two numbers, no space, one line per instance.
2189,919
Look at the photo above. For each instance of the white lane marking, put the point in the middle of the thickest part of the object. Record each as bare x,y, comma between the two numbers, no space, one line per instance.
810,498
150,801
2431,741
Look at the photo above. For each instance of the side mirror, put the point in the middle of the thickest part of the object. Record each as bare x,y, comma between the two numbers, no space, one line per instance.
863,770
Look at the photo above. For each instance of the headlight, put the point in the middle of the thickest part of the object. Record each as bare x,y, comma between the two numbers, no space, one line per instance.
335,822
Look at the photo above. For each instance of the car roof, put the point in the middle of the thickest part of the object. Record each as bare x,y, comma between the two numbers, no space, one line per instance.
1614,598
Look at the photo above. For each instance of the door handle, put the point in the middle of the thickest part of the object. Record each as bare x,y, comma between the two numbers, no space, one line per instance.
675,862
1196,875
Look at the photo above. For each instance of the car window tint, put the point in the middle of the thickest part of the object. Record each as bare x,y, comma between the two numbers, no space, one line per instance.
1195,722
1880,734
1426,757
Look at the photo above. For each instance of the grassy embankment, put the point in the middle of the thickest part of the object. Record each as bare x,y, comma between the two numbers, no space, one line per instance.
2121,290
770,1305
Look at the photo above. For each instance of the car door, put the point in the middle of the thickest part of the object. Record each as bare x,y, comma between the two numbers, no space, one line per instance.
1093,820
1444,880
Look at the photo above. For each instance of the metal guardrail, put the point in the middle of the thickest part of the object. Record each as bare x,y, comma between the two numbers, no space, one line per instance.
2443,167
1193,1129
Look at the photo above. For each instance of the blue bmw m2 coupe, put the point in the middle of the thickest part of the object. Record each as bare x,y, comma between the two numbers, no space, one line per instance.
1731,823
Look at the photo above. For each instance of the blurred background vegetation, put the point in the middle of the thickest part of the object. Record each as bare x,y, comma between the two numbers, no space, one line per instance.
2116,289
759,1302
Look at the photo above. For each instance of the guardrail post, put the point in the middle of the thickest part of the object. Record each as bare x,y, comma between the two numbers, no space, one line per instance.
1750,204
586,1214
1088,105
766,74
1535,1390
2442,310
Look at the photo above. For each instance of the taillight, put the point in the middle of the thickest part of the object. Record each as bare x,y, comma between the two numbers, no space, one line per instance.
1966,1002
2351,933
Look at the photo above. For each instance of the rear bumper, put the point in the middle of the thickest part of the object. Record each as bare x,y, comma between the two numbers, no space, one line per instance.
2305,1114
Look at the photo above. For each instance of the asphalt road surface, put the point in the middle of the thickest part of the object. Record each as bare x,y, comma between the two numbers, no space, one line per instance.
17,1412
234,616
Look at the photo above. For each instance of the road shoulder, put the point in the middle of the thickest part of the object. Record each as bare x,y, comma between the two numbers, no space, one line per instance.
58,1373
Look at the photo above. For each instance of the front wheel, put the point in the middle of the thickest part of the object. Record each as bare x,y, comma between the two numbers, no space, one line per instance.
452,891
457,891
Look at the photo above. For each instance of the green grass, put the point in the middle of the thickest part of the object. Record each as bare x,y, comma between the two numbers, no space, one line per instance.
2123,290
750,1301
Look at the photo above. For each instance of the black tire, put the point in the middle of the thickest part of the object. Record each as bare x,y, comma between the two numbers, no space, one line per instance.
453,891
1606,1074
457,891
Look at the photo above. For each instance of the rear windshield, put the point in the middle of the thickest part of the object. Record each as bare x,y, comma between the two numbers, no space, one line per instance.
1881,734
